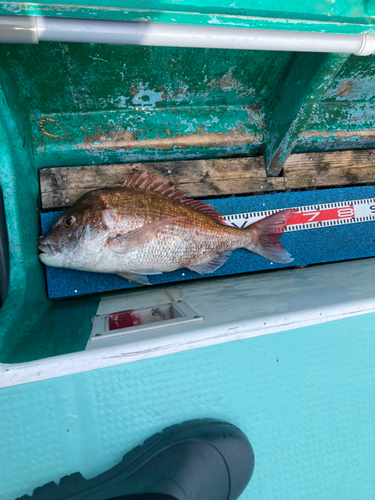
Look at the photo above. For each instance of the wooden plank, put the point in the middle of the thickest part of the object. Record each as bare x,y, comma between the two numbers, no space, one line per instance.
309,77
61,187
339,168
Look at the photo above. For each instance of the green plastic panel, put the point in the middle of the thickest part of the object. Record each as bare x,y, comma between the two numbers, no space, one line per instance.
305,398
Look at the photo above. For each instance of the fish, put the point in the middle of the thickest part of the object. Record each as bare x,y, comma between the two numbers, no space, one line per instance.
147,227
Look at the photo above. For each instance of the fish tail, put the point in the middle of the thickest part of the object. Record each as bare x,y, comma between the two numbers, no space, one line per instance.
265,235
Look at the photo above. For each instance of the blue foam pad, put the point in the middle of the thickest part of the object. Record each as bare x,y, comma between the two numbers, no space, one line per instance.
313,246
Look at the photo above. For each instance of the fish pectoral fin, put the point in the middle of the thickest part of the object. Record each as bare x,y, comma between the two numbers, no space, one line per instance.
124,243
135,278
212,266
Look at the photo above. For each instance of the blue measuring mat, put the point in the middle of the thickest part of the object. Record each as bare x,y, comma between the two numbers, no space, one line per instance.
316,242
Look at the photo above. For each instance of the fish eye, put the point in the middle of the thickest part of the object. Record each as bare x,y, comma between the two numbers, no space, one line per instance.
69,221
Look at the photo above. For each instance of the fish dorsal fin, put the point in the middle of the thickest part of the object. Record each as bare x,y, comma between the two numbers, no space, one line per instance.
146,181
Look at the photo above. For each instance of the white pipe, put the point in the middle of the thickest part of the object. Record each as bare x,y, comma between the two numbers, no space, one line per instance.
368,46
179,35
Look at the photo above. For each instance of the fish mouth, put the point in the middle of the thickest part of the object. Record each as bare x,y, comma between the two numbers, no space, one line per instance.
49,249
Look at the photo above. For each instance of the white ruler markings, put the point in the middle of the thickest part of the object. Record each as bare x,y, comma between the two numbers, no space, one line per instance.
314,216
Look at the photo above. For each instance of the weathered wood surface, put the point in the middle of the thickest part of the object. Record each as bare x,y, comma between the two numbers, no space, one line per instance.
61,187
339,168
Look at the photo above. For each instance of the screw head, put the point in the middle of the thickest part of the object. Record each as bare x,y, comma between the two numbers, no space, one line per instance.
66,200
64,178
310,159
312,180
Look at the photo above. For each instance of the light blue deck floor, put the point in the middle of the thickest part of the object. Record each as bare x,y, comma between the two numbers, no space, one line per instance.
305,398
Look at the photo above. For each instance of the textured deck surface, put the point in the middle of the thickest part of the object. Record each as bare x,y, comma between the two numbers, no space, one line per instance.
305,398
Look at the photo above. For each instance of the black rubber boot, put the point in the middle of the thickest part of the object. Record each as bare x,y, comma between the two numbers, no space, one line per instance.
197,460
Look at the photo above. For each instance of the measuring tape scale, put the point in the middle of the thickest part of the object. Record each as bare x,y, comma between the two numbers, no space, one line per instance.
314,216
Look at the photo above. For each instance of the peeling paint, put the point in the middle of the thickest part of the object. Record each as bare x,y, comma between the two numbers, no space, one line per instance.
116,135
120,101
146,98
345,88
231,138
116,102
357,87
228,83
338,134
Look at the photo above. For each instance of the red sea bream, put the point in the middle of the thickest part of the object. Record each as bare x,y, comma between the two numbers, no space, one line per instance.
147,227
